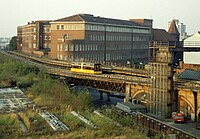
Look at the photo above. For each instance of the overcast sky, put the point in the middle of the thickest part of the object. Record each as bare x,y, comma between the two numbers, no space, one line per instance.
14,13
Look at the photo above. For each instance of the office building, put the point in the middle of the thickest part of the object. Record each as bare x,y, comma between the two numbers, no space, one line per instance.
100,39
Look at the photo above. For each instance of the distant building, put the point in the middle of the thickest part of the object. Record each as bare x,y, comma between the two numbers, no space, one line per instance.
191,55
100,39
181,29
178,54
161,35
170,38
34,37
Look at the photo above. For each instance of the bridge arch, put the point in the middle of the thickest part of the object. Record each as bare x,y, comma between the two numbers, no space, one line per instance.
198,110
187,101
140,92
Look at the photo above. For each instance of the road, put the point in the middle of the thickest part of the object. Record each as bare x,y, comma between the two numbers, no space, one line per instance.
187,127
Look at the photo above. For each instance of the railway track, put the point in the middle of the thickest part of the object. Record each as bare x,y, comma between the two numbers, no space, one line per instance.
67,65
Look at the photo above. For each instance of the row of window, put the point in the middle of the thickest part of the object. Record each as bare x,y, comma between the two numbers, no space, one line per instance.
95,47
47,37
46,30
47,45
33,30
68,27
97,57
107,28
115,29
99,37
77,47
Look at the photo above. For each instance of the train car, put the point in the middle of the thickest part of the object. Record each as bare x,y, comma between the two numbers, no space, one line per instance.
84,67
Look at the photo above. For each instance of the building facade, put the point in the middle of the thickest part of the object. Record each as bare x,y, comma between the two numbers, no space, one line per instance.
100,39
35,37
191,55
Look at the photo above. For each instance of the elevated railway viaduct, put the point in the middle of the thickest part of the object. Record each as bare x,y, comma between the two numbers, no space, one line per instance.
154,84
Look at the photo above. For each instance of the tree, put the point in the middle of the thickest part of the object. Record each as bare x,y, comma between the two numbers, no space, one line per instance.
13,43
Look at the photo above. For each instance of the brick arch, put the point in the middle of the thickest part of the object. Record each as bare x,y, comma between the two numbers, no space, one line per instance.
187,101
198,110
142,91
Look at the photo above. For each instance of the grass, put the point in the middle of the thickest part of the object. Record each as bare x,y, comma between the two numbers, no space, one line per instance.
9,126
8,119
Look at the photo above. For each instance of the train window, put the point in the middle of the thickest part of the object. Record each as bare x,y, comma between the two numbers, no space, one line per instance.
97,67
76,66
88,68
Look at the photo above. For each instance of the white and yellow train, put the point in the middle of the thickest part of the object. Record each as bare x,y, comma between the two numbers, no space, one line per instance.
85,67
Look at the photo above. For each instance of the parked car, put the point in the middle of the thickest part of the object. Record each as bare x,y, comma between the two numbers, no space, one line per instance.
178,118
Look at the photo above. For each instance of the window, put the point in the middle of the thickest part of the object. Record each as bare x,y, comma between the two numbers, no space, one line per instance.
66,47
61,57
62,26
61,47
58,47
34,29
47,29
65,57
34,45
34,37
76,47
80,47
71,47
45,37
58,27
45,45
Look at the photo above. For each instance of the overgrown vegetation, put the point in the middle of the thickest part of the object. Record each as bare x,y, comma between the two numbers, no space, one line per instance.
55,96
44,90
9,126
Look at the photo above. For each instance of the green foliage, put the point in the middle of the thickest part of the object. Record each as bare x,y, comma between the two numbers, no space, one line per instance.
15,71
26,81
72,122
8,119
5,59
56,93
125,120
8,70
13,43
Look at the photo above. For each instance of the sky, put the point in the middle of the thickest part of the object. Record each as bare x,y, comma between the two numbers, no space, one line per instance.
14,13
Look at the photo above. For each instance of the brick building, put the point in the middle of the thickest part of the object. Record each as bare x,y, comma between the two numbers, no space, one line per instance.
35,37
85,36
